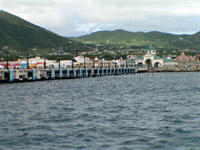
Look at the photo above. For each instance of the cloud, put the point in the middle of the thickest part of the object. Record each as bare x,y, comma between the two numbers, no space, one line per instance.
78,17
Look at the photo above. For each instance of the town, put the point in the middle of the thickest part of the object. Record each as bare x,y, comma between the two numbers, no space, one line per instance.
96,58
39,68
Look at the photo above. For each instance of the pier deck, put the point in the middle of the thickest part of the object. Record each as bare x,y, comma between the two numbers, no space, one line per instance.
19,75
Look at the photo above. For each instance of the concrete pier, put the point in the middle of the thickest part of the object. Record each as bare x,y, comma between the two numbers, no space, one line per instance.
22,75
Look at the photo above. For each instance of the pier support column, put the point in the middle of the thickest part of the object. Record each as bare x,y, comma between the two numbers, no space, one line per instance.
68,73
102,71
121,71
60,73
11,75
98,72
124,70
92,72
80,72
34,74
106,71
74,70
52,73
86,72
135,70
2,75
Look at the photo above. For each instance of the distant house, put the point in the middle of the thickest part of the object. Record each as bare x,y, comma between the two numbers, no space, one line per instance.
96,62
197,57
169,62
66,63
183,57
82,59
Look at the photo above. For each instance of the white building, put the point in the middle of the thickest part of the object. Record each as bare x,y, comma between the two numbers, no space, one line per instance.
82,59
65,63
153,60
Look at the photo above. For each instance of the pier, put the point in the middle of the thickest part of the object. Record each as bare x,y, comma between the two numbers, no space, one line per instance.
24,75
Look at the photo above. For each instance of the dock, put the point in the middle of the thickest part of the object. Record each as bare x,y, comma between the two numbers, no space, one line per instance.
25,75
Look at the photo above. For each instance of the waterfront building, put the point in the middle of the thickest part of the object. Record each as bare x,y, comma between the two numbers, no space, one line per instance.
82,61
184,58
197,57
66,63
96,62
187,62
152,60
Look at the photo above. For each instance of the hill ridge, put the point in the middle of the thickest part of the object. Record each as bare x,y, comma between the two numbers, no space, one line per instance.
156,38
22,35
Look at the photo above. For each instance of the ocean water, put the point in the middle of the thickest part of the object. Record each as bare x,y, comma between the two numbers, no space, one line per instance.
159,111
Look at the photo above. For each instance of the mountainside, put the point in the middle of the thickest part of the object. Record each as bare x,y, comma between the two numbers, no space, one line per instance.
158,39
21,35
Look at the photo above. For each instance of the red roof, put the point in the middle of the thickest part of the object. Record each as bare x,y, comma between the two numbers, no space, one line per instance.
17,64
184,57
4,64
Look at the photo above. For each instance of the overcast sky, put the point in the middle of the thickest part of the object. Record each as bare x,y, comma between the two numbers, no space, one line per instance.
79,17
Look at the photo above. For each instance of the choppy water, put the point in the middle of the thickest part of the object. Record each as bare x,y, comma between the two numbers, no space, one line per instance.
108,113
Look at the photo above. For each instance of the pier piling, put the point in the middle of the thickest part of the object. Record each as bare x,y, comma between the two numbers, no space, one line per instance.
13,75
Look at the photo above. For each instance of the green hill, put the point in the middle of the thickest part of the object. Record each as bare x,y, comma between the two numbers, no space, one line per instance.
21,35
158,39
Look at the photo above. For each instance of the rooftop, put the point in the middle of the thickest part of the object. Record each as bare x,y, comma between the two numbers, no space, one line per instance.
150,48
140,58
167,60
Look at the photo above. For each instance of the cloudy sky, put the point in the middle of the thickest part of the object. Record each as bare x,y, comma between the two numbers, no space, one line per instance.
79,17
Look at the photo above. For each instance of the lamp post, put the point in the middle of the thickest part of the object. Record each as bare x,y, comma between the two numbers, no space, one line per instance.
7,49
44,62
84,63
93,61
27,61
7,61
115,63
59,60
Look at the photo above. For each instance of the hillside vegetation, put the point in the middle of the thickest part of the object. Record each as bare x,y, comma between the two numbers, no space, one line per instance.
21,35
158,39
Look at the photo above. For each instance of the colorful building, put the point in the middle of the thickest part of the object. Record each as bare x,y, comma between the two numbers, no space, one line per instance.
183,57
152,60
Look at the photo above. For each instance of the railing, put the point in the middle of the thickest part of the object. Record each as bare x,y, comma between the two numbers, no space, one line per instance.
13,75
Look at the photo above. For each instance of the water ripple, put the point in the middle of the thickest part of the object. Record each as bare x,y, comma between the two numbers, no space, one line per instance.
113,113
